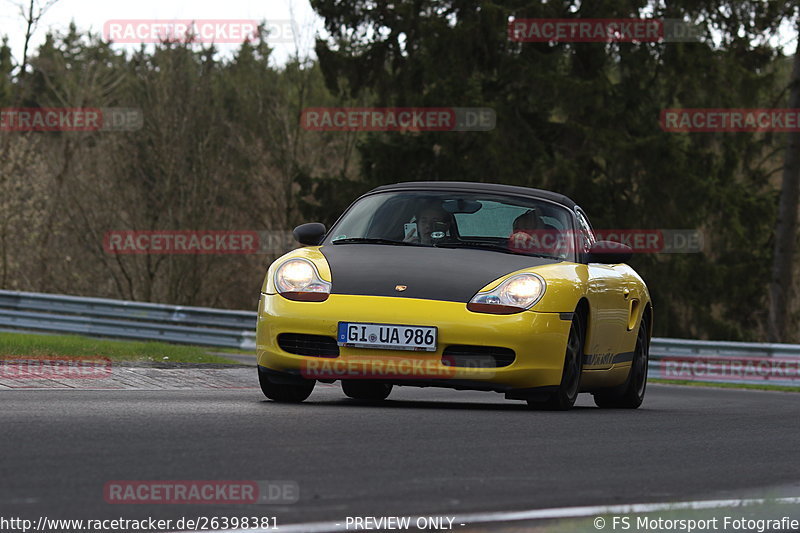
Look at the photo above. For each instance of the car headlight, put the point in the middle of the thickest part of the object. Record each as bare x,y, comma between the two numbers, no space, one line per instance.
298,279
515,294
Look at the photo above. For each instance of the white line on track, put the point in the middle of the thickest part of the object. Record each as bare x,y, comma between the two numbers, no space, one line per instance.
534,514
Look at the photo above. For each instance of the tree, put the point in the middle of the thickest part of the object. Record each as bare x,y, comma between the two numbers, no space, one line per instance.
32,14
582,118
221,148
781,286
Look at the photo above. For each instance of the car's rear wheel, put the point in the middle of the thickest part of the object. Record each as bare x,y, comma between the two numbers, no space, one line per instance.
366,390
285,390
631,394
566,394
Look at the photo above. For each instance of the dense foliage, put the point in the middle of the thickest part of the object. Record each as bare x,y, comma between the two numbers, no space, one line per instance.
222,147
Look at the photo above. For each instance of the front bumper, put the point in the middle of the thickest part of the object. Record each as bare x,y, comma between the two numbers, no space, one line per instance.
537,339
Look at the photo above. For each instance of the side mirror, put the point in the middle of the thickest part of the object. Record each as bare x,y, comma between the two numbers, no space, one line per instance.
610,253
309,234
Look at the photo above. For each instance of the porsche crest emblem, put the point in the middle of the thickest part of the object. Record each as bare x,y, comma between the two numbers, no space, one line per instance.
400,288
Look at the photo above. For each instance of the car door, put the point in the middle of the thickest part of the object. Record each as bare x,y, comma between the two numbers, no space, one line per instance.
608,292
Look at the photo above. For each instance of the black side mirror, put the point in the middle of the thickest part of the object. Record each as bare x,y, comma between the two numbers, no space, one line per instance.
309,234
610,253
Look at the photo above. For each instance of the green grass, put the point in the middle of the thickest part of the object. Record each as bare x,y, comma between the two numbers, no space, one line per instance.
234,351
32,345
784,388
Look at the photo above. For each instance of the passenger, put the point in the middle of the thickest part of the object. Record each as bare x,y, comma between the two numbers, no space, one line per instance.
430,219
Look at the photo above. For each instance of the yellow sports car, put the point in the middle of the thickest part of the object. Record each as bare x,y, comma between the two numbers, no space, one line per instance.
464,285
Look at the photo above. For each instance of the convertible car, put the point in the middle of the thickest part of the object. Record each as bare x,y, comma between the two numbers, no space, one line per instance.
470,286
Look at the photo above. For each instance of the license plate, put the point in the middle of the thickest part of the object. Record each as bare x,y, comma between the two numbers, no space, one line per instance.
387,336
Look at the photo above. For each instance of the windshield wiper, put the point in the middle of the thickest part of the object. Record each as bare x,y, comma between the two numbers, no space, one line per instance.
490,246
368,240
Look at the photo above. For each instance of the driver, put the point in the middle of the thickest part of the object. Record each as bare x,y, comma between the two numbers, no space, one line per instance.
430,219
527,232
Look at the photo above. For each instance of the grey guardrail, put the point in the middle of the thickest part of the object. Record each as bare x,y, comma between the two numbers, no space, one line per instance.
725,362
664,347
683,359
124,319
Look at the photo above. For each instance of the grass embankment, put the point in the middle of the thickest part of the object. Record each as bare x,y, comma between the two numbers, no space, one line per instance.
751,386
41,346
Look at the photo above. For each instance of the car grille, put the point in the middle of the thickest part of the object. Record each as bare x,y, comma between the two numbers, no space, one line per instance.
312,345
477,356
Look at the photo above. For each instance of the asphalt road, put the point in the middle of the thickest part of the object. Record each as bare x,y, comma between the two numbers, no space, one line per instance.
424,451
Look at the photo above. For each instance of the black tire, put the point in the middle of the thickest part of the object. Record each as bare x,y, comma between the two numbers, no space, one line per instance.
631,394
564,398
366,390
294,391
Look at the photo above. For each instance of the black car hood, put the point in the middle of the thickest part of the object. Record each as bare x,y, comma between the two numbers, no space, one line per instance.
447,274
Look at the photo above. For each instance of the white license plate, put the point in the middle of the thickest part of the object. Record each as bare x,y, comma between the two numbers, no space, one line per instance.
387,336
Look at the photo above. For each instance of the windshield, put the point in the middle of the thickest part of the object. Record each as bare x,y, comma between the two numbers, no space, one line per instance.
458,220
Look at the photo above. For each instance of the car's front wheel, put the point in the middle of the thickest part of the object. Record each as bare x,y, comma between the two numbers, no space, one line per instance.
631,394
366,390
284,389
566,394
